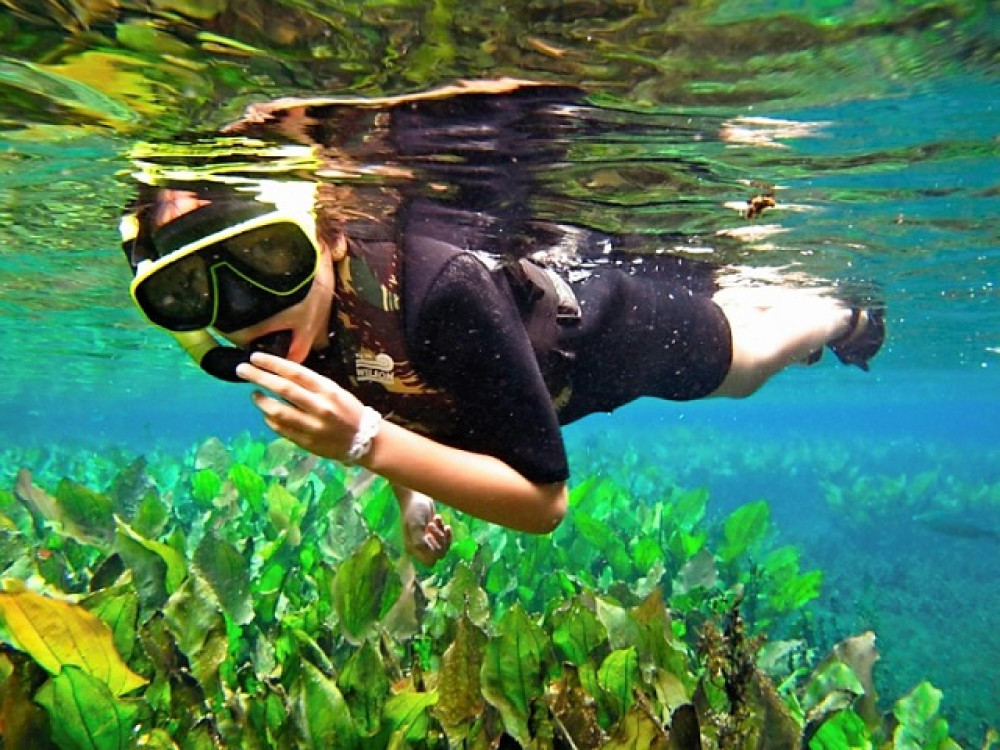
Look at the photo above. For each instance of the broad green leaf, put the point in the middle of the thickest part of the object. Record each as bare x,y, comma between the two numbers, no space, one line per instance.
57,634
920,726
267,590
576,632
321,716
118,608
617,676
212,454
646,552
144,35
834,676
844,730
796,592
90,513
345,527
130,485
226,572
604,538
623,630
512,671
688,508
148,569
781,563
85,714
365,687
745,527
657,645
583,490
408,715
285,511
380,510
464,549
460,700
499,580
75,511
194,617
7,524
151,515
14,548
205,487
683,545
176,564
463,594
365,587
250,486
919,706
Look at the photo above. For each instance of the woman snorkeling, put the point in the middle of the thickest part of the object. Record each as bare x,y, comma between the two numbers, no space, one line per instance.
425,324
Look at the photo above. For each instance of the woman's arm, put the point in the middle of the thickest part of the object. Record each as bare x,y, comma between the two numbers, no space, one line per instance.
480,485
322,417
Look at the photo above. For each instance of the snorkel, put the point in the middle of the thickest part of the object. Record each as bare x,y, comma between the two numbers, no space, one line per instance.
289,201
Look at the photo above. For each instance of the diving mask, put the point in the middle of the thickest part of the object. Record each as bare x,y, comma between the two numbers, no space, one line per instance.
226,265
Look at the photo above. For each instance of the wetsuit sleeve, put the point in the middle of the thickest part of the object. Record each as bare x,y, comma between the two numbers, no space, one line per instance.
469,340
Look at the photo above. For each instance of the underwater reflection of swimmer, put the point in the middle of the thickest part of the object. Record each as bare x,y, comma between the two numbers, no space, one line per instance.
421,325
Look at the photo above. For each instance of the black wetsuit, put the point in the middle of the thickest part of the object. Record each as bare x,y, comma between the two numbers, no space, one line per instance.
647,328
478,159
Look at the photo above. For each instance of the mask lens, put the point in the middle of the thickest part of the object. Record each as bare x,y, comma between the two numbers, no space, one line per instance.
232,283
179,297
278,257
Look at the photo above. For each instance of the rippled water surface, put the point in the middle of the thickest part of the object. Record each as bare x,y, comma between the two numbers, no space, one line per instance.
877,123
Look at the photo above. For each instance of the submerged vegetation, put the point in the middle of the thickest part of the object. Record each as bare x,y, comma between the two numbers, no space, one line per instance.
250,595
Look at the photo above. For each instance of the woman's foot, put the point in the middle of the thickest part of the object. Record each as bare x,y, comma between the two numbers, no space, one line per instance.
865,336
425,534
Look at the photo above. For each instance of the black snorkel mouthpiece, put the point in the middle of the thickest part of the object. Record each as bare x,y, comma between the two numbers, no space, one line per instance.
221,362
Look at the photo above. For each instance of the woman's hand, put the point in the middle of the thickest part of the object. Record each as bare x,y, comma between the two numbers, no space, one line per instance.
312,411
425,534
318,415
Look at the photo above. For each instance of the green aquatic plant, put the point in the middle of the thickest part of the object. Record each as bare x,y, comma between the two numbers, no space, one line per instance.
252,596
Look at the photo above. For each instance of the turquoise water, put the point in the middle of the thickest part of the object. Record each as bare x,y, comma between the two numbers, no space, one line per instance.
882,136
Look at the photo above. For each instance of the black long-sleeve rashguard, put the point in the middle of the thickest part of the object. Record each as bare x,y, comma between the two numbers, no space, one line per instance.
647,329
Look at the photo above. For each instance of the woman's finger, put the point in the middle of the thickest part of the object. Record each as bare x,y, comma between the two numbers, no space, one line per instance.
293,371
294,393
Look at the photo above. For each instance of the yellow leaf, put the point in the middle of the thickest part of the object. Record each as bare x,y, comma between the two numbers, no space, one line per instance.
56,633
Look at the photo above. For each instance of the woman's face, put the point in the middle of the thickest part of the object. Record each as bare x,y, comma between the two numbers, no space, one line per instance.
307,320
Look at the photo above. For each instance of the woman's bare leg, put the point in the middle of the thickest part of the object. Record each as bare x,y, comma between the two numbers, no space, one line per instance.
773,328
